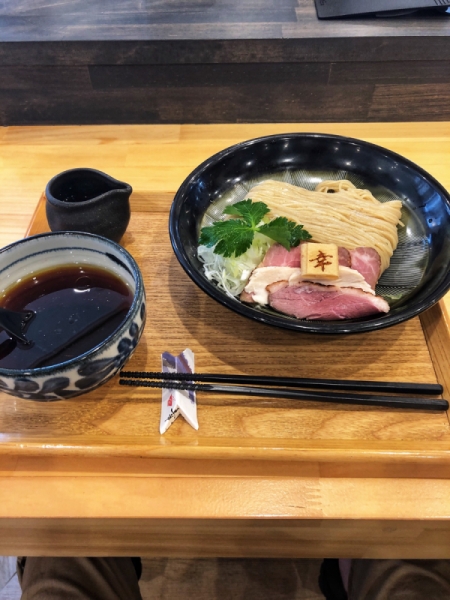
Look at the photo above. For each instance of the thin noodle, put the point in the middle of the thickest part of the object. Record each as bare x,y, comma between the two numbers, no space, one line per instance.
336,212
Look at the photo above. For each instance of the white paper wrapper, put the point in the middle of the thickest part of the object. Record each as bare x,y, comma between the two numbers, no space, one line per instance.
178,402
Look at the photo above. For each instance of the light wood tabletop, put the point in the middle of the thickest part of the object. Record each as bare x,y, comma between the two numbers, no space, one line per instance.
93,476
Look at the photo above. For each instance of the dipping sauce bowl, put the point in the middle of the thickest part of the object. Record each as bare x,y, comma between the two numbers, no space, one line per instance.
89,301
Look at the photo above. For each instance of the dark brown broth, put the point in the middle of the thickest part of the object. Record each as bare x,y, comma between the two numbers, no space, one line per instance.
76,306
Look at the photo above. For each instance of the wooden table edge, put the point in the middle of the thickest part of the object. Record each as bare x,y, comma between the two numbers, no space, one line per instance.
256,517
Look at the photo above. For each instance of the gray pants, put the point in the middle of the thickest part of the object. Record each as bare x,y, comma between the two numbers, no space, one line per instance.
115,579
399,580
78,579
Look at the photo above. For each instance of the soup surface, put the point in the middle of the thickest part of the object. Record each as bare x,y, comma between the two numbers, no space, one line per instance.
76,307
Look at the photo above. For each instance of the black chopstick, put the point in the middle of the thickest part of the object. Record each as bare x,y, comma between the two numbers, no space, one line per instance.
355,399
324,384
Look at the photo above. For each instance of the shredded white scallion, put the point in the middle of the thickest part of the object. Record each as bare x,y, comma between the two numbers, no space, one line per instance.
231,274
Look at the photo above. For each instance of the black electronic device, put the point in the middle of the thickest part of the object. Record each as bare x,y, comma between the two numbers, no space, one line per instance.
333,9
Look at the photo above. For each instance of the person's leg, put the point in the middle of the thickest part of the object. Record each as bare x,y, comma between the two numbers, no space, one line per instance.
345,565
44,578
331,582
399,580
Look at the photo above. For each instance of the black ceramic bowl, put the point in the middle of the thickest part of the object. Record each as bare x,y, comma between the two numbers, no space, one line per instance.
419,274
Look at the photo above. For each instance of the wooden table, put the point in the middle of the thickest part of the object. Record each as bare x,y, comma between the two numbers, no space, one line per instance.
93,476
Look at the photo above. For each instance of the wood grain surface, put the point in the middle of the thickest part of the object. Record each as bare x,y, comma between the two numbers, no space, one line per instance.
43,21
259,478
165,61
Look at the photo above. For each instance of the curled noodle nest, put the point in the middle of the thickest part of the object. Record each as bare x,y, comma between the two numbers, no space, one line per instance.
336,212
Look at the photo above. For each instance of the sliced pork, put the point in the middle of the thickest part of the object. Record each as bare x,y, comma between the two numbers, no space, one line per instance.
307,300
279,282
256,290
344,257
278,256
366,261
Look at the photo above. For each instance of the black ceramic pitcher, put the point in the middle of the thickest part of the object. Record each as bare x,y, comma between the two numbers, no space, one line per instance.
90,201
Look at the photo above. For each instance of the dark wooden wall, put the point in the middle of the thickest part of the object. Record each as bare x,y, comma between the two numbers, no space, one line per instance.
210,61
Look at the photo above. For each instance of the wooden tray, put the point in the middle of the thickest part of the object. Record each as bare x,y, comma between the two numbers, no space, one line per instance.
118,421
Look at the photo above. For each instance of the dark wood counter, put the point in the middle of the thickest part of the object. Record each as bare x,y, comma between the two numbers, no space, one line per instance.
211,61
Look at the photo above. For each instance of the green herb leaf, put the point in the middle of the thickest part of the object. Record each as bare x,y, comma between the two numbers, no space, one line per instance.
285,232
235,236
230,238
251,212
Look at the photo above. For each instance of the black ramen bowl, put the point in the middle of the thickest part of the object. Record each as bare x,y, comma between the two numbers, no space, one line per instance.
419,273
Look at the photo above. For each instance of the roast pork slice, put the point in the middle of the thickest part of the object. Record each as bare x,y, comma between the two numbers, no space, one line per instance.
366,261
307,300
256,290
344,257
278,256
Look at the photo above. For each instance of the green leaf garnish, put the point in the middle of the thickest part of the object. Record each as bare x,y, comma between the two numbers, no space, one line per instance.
235,236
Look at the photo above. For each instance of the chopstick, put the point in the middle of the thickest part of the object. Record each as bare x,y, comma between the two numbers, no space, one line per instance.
337,398
299,382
